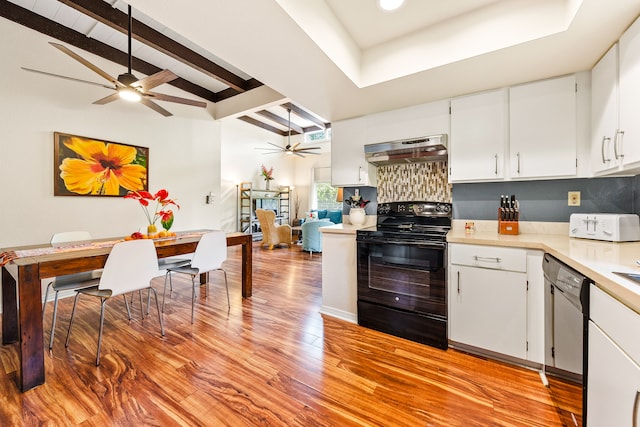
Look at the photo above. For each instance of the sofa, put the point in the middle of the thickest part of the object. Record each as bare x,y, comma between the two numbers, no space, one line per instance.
335,216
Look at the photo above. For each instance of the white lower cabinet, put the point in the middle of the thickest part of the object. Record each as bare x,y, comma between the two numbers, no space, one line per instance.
613,382
488,301
489,309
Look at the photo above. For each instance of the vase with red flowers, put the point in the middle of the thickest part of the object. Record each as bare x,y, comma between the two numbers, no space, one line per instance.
154,208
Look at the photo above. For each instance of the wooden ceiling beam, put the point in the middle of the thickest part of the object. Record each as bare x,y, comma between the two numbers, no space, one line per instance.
262,125
295,129
50,28
119,21
302,113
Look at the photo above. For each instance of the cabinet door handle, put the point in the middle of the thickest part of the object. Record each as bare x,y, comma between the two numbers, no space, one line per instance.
617,143
459,288
604,139
496,170
635,410
518,157
484,258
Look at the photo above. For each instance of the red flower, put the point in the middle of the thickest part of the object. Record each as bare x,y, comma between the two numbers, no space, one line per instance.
161,198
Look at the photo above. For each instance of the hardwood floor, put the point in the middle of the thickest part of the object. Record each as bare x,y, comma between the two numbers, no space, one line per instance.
271,360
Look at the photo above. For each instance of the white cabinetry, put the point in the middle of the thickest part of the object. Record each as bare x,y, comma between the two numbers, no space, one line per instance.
628,140
406,123
488,298
479,133
615,86
604,113
543,125
348,164
530,131
613,389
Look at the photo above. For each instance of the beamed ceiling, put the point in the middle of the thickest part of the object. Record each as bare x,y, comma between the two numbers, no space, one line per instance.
100,27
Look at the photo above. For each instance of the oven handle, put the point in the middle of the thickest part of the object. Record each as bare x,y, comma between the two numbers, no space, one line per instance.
425,244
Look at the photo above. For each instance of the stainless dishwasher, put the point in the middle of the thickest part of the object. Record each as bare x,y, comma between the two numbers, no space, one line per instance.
566,323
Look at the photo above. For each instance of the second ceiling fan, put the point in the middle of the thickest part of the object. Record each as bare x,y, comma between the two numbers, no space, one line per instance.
128,86
289,149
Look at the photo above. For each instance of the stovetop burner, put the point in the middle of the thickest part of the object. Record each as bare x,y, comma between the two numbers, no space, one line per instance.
411,221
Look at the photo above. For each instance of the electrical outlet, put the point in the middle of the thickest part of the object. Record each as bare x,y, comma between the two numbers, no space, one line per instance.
574,198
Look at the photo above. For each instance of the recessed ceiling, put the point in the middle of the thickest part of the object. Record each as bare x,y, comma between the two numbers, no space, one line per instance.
369,26
372,46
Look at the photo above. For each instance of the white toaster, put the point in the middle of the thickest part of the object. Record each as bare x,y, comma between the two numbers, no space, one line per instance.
609,227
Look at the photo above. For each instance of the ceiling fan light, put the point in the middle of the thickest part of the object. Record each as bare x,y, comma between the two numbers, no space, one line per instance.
389,5
130,95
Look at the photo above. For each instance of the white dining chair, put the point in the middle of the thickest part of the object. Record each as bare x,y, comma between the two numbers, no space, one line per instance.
67,282
130,267
209,255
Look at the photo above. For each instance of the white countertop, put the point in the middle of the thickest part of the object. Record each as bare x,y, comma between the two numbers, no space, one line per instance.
343,228
595,259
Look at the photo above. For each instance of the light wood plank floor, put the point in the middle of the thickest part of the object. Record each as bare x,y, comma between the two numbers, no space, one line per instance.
271,360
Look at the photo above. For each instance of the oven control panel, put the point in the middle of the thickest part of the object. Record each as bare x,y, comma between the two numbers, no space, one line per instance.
415,209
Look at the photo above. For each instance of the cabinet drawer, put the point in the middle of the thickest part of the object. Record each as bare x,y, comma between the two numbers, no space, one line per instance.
616,320
493,257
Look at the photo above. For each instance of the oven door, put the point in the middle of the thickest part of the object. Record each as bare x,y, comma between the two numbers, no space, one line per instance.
405,275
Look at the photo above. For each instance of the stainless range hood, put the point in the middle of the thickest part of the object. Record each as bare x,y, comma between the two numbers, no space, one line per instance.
417,150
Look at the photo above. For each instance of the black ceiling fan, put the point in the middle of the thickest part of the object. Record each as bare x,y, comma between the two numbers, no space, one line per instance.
128,86
289,149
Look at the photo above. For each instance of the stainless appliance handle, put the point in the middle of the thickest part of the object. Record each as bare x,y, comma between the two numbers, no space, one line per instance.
604,139
488,259
424,244
635,409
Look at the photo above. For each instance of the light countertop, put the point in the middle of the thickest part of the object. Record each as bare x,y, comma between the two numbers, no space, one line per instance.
595,259
343,228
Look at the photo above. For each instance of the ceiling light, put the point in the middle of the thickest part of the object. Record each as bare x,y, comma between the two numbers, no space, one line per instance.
129,94
389,5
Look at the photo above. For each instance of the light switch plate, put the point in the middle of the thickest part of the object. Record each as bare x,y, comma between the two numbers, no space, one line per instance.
574,198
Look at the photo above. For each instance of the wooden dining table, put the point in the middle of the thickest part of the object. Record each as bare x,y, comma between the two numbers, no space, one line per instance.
22,289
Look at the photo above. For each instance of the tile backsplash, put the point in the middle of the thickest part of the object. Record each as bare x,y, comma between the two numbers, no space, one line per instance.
413,181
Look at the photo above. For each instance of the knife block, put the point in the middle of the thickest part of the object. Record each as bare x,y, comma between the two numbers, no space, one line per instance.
508,226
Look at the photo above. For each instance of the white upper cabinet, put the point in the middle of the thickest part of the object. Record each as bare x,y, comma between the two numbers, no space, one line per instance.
349,168
543,128
604,113
615,101
479,133
411,122
628,139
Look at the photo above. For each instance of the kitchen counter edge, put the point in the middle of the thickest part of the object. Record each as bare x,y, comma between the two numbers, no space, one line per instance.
343,228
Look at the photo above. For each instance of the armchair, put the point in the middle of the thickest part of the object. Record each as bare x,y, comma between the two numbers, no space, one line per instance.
272,233
311,235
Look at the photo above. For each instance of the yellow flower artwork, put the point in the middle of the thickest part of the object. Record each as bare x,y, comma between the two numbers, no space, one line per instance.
93,167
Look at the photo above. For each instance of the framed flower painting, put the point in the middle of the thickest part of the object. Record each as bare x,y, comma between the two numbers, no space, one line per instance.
93,167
